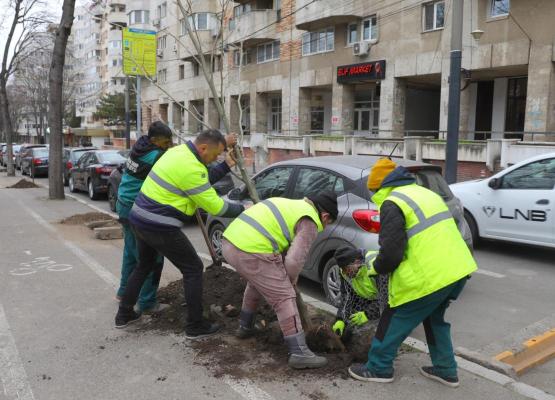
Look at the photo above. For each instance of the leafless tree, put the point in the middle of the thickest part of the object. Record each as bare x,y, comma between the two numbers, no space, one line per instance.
55,101
24,17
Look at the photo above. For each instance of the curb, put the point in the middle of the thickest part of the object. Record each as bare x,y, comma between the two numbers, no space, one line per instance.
534,351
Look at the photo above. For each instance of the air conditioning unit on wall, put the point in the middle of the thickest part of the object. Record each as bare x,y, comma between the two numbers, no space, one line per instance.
156,22
361,48
160,52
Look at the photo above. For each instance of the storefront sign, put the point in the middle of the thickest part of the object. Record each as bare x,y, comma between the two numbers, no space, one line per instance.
361,72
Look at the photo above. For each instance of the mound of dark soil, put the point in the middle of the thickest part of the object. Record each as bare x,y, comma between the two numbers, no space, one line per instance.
264,356
80,219
23,184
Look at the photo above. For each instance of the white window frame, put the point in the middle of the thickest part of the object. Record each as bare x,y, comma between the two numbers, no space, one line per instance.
162,42
434,23
492,9
307,40
372,28
246,57
193,22
273,46
162,10
348,39
139,17
275,113
163,75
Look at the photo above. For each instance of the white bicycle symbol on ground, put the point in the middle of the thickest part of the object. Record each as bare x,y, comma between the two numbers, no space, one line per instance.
38,264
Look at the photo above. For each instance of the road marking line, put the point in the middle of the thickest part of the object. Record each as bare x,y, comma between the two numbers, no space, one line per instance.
247,390
12,373
86,258
489,273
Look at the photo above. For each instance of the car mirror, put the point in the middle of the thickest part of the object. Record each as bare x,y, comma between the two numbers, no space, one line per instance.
494,183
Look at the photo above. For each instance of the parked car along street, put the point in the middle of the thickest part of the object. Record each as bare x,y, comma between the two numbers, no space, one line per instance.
15,149
515,204
358,221
70,157
34,161
92,171
23,148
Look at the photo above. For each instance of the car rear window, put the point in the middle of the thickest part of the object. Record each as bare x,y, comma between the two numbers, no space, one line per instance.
434,181
75,155
111,157
40,152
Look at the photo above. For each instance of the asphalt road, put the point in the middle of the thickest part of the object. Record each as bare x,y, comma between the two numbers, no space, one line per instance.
62,330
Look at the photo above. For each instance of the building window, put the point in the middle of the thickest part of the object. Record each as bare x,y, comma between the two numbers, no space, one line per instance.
115,44
267,52
277,7
246,58
434,15
316,119
217,64
352,34
516,104
370,28
275,114
181,72
139,17
162,42
499,8
318,41
196,68
162,75
161,10
241,9
115,62
199,22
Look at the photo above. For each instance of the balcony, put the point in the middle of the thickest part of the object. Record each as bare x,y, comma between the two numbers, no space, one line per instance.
323,13
186,49
119,18
247,27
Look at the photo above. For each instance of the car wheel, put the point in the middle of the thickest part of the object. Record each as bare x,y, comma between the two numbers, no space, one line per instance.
71,185
92,193
216,235
473,227
331,282
112,198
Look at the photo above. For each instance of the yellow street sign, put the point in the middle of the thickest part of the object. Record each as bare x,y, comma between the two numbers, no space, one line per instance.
139,52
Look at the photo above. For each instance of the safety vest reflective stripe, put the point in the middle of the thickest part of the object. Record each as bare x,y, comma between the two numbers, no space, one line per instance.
245,218
156,217
183,193
224,209
279,218
423,222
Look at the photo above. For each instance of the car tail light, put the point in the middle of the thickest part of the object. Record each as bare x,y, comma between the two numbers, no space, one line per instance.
69,165
37,161
103,170
369,220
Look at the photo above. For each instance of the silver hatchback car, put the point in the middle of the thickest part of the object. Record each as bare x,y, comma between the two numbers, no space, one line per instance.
358,217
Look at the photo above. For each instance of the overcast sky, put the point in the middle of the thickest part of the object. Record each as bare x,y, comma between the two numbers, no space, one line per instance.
53,6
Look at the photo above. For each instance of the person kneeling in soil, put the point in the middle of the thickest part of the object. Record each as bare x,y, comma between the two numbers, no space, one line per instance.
268,245
363,298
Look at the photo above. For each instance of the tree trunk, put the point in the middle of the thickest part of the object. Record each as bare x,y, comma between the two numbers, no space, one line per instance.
8,129
55,114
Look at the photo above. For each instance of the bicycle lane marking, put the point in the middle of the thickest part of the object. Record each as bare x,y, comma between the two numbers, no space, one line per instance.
13,375
86,258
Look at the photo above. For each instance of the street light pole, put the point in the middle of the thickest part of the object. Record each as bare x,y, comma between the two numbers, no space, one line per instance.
454,109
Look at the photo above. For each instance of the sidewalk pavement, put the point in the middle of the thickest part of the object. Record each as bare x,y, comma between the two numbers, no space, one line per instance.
74,312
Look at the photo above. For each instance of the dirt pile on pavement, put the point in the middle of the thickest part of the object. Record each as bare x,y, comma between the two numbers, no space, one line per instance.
81,219
23,184
263,356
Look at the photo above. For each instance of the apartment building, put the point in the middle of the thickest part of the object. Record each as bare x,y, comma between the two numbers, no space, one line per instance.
363,67
97,33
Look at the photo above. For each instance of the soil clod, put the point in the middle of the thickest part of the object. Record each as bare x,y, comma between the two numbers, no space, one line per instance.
23,184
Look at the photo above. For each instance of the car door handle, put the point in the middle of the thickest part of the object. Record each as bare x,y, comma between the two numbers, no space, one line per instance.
543,201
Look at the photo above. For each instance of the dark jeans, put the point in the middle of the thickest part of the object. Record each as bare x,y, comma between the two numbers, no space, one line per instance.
178,249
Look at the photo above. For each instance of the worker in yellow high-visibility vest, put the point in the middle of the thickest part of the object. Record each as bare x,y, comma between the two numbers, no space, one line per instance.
268,245
428,263
175,187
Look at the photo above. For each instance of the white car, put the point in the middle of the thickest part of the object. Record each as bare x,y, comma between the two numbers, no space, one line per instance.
517,204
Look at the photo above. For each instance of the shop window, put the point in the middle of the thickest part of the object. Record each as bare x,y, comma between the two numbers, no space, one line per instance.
352,34
318,41
516,104
499,8
370,28
433,15
267,52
